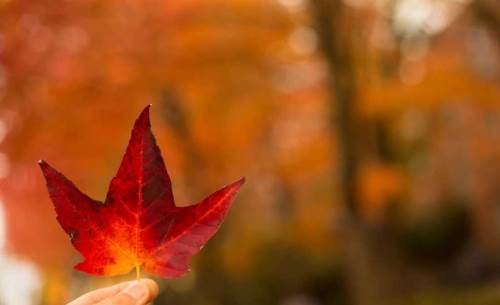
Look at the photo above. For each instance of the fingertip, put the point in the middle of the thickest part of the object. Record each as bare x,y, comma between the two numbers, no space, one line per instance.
152,287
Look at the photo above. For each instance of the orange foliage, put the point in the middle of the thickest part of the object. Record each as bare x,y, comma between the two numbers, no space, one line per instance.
379,186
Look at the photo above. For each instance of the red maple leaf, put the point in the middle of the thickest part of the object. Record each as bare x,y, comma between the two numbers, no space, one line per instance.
138,225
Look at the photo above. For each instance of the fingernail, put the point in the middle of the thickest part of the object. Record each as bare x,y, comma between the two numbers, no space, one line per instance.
136,290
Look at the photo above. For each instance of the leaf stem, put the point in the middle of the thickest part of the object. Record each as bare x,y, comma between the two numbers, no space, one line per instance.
137,271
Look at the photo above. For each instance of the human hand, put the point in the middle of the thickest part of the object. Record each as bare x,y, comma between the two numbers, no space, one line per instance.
128,293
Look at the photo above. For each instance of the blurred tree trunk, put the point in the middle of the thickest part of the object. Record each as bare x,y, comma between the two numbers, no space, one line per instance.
335,34
177,119
483,208
488,12
336,43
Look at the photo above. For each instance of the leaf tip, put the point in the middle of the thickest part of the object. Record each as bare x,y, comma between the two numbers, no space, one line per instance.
237,184
45,167
143,119
47,170
42,164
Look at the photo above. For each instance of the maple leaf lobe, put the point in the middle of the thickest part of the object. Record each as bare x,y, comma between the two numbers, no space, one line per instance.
138,224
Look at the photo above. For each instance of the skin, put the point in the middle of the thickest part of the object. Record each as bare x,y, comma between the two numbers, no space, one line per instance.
127,293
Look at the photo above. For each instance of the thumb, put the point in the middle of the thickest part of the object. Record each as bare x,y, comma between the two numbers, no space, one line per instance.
136,293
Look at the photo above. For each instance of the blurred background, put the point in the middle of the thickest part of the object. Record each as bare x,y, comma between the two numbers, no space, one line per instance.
369,133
